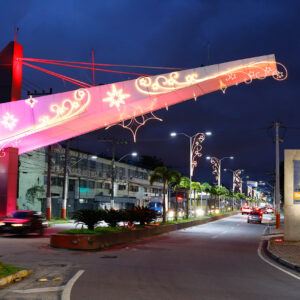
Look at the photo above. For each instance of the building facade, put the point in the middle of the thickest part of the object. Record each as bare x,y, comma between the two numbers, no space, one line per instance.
89,182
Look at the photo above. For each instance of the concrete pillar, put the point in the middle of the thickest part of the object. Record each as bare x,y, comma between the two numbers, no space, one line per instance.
8,180
291,196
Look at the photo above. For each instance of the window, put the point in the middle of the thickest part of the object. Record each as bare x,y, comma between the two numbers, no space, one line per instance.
133,188
107,186
83,183
99,185
122,187
91,184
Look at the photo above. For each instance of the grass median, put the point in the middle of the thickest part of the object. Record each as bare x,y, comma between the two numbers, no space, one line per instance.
6,269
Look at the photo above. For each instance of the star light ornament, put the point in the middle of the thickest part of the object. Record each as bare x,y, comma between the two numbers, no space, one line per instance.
9,121
31,101
116,97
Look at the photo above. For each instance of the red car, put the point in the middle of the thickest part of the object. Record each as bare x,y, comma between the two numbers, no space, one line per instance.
22,222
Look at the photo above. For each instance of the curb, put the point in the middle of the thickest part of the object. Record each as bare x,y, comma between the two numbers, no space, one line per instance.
270,254
104,241
4,281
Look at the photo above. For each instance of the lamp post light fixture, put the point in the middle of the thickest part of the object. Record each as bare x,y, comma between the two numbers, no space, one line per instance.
195,151
216,165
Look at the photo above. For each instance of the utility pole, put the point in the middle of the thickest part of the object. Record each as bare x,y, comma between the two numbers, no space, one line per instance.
277,182
66,182
48,196
113,142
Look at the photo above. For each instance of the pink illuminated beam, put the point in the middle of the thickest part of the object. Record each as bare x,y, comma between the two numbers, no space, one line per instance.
57,117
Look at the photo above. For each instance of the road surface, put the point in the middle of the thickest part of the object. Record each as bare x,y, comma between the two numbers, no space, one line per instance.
217,260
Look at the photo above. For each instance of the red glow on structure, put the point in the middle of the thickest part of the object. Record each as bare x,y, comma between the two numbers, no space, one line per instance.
16,72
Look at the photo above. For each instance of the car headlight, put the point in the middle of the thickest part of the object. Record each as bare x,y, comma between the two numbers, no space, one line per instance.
217,211
199,212
16,225
2,223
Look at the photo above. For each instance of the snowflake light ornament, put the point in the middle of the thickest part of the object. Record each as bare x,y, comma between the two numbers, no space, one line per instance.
115,97
31,101
9,121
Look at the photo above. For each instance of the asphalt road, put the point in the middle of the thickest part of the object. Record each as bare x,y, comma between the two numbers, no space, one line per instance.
217,260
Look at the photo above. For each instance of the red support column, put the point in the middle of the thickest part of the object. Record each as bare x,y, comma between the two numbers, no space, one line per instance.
8,180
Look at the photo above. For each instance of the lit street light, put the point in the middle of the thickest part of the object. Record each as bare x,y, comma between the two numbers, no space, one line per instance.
216,165
236,179
195,151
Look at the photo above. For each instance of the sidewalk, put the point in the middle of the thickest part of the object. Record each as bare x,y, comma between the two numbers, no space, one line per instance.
284,252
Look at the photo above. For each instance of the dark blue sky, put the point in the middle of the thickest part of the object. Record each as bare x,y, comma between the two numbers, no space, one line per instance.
175,33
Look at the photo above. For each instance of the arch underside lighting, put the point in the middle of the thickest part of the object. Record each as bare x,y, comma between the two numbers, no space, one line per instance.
37,122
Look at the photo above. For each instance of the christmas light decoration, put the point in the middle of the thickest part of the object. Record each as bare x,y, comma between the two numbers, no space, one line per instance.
243,73
9,121
65,115
237,181
31,101
216,167
134,124
196,149
116,97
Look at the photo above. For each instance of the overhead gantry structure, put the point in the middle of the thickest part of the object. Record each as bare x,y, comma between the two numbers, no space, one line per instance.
30,124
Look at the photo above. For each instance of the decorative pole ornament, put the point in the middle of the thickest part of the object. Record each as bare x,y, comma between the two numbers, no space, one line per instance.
196,149
237,181
216,168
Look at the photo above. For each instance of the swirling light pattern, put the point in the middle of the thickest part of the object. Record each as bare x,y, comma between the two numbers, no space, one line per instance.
196,149
170,82
237,181
216,167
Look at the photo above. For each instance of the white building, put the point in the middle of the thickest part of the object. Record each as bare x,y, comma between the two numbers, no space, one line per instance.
89,182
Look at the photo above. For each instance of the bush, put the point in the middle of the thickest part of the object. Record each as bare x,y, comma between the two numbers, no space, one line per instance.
142,215
113,217
89,217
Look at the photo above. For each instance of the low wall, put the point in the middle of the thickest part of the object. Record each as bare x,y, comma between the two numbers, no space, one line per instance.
100,241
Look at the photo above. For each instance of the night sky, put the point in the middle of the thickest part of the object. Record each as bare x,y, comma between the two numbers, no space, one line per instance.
174,33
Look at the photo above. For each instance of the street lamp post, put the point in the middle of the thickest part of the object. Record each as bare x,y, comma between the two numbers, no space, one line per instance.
216,165
236,179
113,175
195,142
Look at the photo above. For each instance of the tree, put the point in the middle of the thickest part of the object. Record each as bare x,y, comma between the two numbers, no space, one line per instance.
166,176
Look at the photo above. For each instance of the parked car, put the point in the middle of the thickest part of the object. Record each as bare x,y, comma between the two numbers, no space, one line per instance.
246,210
157,206
22,222
255,216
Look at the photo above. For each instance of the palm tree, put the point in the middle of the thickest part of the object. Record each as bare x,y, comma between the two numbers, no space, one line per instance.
166,176
185,183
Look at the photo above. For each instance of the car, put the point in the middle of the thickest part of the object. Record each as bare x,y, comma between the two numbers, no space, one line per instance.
255,216
269,210
245,210
156,206
22,222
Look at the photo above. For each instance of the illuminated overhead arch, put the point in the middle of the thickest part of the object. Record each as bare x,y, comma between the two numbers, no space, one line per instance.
37,122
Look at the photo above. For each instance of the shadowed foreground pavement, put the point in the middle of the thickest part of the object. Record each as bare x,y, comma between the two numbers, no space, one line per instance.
217,260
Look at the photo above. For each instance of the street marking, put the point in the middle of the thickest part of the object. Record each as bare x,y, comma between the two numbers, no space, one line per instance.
66,294
214,237
40,290
272,264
